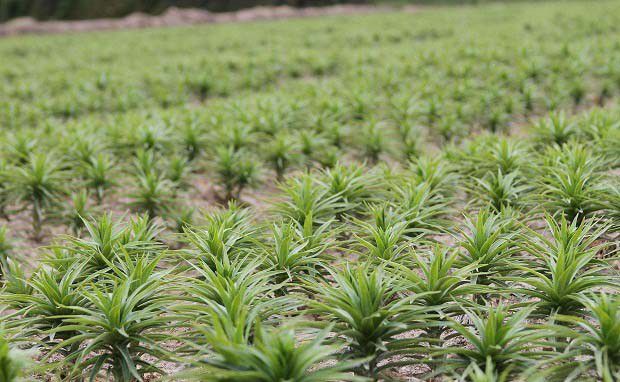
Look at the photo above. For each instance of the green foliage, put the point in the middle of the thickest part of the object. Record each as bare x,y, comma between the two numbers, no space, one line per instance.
612,205
436,277
373,141
351,185
500,338
235,170
178,172
555,130
362,305
386,238
120,326
489,243
291,257
78,211
98,175
500,190
5,251
13,362
152,194
38,185
274,356
305,198
594,339
423,209
281,154
564,266
106,240
227,235
570,182
442,198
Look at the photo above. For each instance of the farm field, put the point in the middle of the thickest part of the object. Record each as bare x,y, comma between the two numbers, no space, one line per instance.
392,196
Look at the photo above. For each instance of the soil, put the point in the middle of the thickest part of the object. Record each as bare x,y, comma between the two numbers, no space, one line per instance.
179,17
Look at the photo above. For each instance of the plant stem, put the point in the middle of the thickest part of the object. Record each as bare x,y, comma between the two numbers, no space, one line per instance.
36,220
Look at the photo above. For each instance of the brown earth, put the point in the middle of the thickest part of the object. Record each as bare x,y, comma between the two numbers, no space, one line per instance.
178,17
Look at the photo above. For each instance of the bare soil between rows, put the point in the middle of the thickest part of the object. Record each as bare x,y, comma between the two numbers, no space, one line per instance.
180,17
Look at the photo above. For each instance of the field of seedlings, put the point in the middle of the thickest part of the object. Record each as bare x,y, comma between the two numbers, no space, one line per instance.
396,196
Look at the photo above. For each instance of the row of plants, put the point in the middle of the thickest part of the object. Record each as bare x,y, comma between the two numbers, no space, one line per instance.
394,91
464,61
493,260
378,197
563,165
376,287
